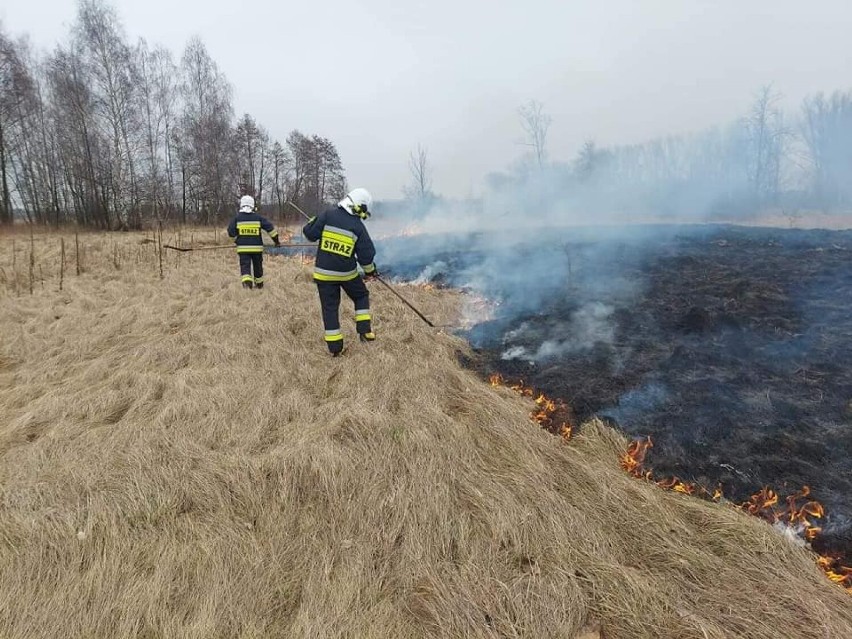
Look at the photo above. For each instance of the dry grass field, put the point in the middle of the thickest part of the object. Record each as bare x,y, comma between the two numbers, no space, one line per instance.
180,457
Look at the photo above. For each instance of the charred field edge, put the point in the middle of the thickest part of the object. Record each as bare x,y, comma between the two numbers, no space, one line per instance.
731,347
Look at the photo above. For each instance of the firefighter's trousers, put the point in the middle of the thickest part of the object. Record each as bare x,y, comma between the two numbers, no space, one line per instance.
329,294
251,262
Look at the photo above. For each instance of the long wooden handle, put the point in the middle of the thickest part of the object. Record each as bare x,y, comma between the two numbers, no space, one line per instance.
231,246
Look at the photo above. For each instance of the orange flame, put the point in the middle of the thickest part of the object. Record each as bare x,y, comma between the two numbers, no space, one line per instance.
545,409
633,460
763,504
837,572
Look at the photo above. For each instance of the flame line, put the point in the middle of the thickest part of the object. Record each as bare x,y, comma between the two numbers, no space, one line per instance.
763,504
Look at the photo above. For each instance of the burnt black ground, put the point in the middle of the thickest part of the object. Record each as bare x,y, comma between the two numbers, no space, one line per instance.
730,346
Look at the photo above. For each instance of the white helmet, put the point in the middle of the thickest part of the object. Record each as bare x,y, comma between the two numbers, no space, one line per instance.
246,204
357,202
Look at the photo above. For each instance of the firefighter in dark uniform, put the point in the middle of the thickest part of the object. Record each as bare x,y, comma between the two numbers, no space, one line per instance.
343,244
245,229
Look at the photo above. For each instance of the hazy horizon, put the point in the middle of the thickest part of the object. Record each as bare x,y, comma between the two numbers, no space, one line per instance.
378,78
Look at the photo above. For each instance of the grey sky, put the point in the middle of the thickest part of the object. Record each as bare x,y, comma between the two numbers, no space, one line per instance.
380,76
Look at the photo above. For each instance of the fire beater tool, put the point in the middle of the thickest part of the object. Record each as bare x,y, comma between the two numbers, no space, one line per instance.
228,246
404,301
305,215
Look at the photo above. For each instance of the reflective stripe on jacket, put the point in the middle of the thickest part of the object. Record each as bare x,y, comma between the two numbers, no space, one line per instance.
246,227
343,244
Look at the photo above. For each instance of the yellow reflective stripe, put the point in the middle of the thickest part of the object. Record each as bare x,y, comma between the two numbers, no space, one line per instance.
249,249
259,280
340,231
343,239
369,268
246,278
273,233
325,271
363,317
334,338
322,277
248,225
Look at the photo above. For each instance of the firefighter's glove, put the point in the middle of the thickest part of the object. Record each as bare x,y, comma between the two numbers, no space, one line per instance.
276,241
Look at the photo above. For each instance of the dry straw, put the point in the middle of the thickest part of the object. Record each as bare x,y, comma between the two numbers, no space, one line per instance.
181,458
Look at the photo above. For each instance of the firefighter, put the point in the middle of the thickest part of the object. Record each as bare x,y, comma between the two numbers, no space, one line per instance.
343,245
245,229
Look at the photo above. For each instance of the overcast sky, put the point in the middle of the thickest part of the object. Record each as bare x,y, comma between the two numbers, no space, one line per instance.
378,77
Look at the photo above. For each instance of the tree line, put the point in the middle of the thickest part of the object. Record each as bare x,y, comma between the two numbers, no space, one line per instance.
110,134
766,159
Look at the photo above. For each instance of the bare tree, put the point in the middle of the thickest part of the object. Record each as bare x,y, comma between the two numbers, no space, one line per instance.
768,137
28,161
208,136
79,143
16,85
8,74
299,147
535,124
153,135
157,93
166,81
281,167
253,150
420,187
110,62
589,161
827,135
47,159
328,181
317,172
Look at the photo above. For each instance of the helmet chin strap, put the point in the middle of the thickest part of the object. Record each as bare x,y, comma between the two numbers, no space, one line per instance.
356,209
359,210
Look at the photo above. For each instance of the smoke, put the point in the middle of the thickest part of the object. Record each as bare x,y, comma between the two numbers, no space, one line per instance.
637,402
431,272
759,163
571,236
553,280
706,176
589,326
